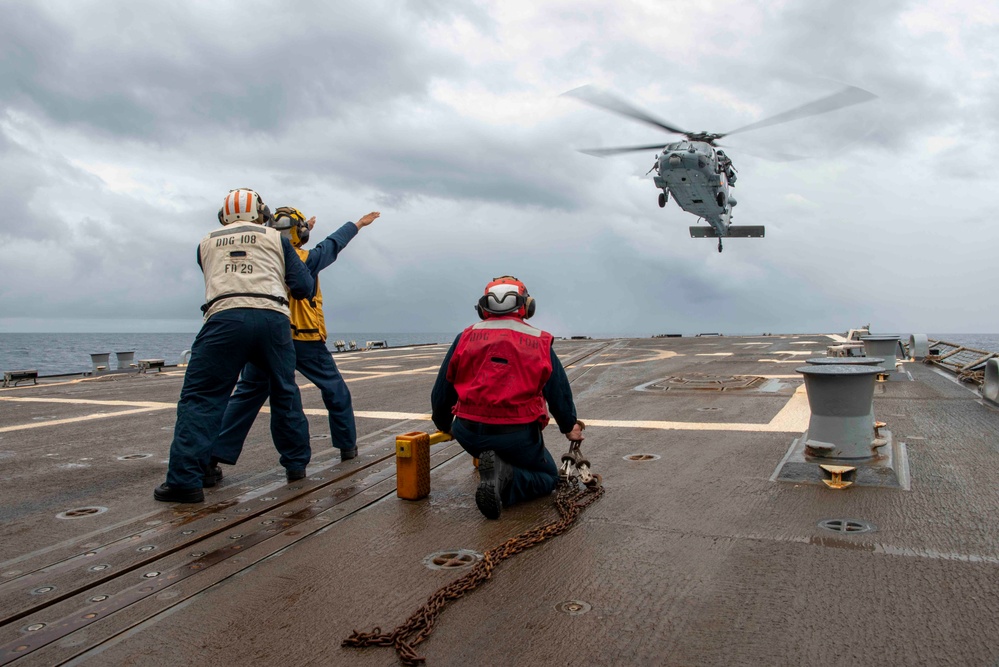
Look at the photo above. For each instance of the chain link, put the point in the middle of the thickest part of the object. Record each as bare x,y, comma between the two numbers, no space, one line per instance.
570,502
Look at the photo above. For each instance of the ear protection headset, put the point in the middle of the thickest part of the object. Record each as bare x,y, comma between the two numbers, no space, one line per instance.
505,296
292,220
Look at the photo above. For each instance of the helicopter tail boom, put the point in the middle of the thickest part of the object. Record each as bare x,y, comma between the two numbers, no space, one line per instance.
732,231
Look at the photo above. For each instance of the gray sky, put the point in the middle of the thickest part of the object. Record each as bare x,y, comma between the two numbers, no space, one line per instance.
123,125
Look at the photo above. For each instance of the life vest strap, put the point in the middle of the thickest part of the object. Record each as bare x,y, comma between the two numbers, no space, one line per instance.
279,299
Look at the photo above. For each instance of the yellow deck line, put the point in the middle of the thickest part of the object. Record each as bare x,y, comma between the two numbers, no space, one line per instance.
156,405
91,417
793,417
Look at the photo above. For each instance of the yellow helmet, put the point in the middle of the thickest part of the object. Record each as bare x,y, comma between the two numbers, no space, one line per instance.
291,222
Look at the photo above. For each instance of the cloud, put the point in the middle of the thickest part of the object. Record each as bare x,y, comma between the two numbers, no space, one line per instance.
123,125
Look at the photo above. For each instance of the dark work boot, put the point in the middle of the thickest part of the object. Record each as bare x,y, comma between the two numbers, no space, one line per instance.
213,476
170,494
494,476
347,454
295,475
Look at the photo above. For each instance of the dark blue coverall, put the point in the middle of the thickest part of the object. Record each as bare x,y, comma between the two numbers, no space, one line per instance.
229,340
535,473
312,359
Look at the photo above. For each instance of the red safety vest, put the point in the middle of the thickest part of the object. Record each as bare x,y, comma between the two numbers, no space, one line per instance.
498,369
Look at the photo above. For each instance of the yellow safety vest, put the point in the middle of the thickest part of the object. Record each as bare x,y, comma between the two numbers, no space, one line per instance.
307,321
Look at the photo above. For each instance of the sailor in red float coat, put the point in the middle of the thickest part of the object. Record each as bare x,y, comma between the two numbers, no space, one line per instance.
499,369
493,393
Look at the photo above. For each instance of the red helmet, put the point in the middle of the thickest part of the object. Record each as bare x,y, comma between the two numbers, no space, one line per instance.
505,296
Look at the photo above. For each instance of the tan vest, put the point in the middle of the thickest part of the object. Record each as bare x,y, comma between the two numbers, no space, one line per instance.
244,268
307,321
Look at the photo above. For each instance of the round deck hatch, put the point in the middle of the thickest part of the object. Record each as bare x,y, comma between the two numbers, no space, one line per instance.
573,607
452,559
847,525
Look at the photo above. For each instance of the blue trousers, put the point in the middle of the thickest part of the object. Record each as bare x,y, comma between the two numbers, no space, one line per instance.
534,471
226,343
314,361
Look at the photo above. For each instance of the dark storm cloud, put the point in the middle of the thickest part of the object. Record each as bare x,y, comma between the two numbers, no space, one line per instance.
122,124
165,71
805,50
23,178
453,160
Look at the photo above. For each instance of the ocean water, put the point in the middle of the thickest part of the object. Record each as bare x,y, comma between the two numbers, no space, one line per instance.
59,353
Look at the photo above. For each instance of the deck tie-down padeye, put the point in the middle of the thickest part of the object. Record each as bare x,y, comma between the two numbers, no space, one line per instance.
577,489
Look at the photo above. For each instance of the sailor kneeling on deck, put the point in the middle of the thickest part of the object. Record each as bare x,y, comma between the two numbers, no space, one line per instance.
491,394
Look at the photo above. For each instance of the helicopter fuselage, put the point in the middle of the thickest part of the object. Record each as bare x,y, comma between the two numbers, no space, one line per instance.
691,172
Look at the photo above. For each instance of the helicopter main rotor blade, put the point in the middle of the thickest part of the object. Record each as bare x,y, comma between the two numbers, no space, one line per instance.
601,152
604,100
847,97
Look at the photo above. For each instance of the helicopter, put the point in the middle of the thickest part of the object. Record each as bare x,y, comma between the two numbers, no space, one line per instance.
696,171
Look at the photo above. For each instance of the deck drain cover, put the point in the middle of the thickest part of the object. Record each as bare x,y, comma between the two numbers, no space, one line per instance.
703,382
708,409
847,525
79,512
319,436
133,457
573,607
452,559
641,457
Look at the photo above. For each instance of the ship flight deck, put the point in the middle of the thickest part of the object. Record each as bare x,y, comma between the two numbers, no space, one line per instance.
696,554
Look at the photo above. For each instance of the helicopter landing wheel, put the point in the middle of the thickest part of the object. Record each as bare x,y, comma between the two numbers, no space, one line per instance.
662,200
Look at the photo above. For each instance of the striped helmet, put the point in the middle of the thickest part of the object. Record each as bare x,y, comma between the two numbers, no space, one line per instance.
243,204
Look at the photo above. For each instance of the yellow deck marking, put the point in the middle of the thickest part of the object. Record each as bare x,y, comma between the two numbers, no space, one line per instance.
369,357
793,417
156,405
660,354
714,354
374,414
374,376
91,417
413,371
